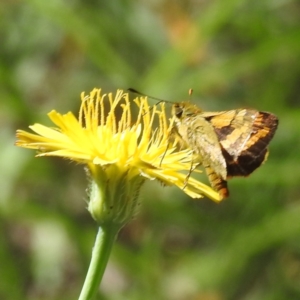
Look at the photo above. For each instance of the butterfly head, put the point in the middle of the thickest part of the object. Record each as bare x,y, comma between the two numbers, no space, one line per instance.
182,110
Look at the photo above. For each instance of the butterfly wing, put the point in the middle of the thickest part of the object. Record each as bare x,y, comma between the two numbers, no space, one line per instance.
244,135
203,139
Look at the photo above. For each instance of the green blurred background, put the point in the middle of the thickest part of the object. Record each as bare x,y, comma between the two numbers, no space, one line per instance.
233,53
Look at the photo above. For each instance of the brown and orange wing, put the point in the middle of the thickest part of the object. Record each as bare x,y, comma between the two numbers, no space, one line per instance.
244,135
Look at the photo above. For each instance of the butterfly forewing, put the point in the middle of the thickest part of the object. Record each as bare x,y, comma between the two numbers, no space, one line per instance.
244,142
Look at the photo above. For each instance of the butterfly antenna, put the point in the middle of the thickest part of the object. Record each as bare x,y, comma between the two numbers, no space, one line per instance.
142,94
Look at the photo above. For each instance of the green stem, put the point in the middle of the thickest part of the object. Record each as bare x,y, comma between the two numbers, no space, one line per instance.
101,252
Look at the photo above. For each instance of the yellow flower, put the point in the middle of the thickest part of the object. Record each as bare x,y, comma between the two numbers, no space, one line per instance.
119,152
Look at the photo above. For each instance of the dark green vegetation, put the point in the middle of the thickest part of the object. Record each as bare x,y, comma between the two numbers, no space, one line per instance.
233,53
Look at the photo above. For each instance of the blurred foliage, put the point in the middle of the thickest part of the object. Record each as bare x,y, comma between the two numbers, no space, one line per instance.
233,53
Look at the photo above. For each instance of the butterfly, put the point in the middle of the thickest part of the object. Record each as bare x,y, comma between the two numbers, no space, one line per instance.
227,143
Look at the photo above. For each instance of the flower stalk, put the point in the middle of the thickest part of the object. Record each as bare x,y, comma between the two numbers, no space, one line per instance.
101,251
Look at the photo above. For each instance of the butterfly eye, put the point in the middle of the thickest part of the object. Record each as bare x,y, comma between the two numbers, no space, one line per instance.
178,111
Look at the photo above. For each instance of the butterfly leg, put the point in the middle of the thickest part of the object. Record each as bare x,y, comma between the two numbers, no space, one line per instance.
163,156
192,168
